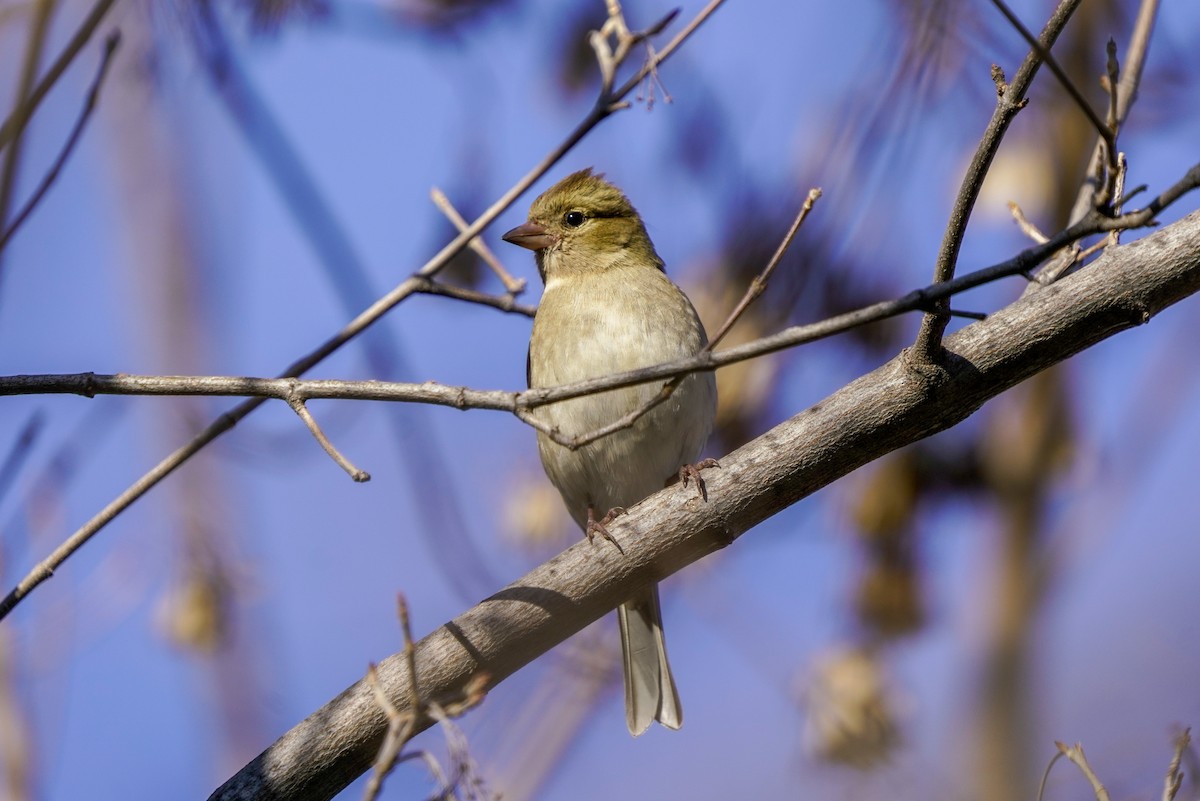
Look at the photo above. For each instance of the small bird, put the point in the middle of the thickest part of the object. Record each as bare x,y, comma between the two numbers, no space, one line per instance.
609,307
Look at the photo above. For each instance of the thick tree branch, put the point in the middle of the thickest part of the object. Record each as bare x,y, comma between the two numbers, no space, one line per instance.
897,404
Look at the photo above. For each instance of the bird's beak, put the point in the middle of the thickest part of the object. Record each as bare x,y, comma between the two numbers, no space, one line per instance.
530,235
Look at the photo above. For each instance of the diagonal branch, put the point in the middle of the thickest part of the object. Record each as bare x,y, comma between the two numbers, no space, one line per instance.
1126,92
89,105
21,115
415,283
893,406
1107,133
39,30
1010,100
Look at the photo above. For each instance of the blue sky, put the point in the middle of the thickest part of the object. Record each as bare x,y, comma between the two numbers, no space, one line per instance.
165,247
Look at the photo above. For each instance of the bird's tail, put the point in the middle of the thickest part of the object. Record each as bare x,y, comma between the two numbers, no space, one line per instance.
650,692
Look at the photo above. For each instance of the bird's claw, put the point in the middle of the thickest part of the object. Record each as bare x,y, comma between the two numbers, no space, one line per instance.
600,526
692,471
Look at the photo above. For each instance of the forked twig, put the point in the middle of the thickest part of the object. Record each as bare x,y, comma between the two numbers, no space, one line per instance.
402,726
1076,755
1174,779
1009,102
1106,131
20,116
1091,192
759,284
89,105
513,286
301,409
610,56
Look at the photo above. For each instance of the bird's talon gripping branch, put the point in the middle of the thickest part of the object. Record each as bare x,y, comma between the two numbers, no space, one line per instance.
692,471
600,526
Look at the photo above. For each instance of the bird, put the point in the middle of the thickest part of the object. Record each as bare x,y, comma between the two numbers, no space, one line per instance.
607,307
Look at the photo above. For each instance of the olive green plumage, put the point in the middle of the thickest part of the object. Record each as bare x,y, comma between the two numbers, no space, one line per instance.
609,307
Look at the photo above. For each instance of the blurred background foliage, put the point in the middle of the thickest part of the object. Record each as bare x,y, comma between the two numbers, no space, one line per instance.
257,172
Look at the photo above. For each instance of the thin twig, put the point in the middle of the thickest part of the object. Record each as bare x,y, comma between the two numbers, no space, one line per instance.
588,437
513,286
401,726
1114,237
1112,86
1091,192
89,105
44,569
927,348
759,284
43,11
1076,755
1046,775
519,403
301,410
1029,229
1105,131
399,732
1127,87
410,655
20,116
505,303
1174,778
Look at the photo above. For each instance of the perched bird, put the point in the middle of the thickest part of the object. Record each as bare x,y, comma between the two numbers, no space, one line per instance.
609,307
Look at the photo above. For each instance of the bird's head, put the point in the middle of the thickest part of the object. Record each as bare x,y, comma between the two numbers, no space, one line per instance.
584,224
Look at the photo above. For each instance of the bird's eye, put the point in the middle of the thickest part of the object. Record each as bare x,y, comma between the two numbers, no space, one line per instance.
573,219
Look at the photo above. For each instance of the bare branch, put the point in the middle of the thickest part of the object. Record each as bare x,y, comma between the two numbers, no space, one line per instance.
759,284
39,29
1029,229
1106,132
513,286
1174,778
1126,93
301,410
1008,104
415,283
893,406
505,303
519,403
21,115
89,105
1075,754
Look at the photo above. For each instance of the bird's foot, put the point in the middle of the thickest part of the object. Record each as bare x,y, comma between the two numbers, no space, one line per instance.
600,526
691,472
